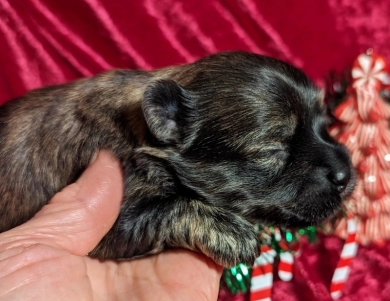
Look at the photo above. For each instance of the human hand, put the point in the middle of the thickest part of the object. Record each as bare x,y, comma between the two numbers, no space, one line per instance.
44,259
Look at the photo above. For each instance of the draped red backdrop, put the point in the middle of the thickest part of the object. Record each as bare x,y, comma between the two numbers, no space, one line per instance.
46,42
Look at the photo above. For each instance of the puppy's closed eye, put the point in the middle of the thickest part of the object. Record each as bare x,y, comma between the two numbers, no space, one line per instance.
279,152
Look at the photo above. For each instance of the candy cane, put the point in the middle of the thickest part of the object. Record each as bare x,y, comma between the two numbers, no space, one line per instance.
286,262
262,278
348,252
285,269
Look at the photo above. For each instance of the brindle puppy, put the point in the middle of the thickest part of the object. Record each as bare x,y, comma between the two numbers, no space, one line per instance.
207,149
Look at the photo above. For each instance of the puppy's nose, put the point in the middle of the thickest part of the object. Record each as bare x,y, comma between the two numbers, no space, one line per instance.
341,179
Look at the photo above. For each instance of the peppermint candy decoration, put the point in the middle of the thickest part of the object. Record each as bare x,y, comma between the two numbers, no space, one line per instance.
369,70
365,132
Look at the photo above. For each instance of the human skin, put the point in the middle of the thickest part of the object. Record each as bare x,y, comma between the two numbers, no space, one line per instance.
45,258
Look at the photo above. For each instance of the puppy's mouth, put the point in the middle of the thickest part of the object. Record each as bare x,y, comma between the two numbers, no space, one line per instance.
307,208
313,206
311,211
296,213
293,219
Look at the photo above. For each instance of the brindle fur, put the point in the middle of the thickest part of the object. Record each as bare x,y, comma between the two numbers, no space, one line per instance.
207,150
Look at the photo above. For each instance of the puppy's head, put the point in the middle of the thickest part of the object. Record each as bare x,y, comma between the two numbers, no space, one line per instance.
249,134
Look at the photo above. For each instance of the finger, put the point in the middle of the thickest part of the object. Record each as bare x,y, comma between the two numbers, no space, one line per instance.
80,215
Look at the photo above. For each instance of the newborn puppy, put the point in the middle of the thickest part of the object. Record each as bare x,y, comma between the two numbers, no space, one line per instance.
207,149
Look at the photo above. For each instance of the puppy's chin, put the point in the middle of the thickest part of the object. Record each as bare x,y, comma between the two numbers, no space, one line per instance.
310,215
308,210
291,219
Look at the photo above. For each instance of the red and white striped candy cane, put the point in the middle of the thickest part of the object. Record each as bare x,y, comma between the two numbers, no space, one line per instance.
262,276
285,268
348,252
286,262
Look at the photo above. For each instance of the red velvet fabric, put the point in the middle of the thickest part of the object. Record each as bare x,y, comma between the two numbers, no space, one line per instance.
313,270
46,42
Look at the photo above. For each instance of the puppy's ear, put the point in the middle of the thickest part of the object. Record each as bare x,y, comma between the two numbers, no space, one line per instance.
164,107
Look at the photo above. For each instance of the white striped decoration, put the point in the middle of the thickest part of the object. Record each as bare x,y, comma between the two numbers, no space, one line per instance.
285,268
286,262
348,252
262,275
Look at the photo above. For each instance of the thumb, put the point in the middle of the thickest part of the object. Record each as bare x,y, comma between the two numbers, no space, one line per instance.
78,217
